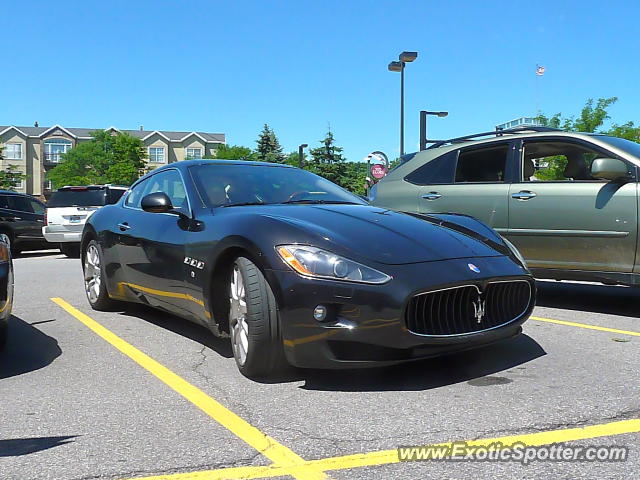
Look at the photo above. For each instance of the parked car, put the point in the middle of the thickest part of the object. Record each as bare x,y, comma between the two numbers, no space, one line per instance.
568,201
297,270
6,287
21,220
68,210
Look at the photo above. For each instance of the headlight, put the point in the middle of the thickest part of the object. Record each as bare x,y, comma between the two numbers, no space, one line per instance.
318,263
515,252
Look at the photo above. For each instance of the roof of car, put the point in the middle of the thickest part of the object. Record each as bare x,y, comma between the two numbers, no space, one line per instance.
222,161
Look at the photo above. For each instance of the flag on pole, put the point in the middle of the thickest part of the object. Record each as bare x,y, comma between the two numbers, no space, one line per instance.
539,70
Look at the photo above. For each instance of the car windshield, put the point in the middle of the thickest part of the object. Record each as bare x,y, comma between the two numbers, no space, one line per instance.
77,198
627,145
234,185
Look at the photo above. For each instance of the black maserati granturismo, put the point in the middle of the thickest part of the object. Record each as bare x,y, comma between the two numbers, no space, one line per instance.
296,270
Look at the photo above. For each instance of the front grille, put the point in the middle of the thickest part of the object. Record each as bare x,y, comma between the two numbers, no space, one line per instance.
467,309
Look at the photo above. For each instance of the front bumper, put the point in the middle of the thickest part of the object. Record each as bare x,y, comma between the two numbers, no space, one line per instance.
365,325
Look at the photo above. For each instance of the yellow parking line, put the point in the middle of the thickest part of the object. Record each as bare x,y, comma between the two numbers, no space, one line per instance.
266,445
585,325
386,457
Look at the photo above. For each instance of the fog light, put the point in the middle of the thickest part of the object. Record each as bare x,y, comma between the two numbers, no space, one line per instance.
320,313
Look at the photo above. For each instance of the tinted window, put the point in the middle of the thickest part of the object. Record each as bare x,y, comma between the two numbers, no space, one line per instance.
19,203
231,184
482,165
4,203
135,194
114,194
37,207
77,198
438,170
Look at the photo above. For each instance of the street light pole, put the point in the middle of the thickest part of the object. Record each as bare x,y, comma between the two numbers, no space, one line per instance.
403,59
423,126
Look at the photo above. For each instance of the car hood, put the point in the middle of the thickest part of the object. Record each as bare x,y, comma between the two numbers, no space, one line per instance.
390,237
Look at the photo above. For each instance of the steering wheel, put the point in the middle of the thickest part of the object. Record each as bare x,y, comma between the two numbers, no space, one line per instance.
299,193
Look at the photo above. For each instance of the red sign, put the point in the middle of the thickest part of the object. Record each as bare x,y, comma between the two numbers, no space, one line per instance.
378,171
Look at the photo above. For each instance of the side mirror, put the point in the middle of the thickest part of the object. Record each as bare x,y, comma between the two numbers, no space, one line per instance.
158,202
609,169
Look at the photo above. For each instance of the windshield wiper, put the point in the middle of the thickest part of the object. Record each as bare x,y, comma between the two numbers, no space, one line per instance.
241,204
322,202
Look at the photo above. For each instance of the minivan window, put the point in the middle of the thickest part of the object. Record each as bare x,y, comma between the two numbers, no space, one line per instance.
19,203
78,198
482,165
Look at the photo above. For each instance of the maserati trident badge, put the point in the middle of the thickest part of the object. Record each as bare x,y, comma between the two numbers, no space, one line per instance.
479,309
473,268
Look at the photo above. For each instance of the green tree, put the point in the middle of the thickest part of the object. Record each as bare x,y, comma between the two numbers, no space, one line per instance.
269,148
107,158
328,162
233,152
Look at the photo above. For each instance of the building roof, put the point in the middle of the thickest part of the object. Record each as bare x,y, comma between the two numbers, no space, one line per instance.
86,133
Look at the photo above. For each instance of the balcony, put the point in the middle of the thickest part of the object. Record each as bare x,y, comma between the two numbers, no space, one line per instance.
52,159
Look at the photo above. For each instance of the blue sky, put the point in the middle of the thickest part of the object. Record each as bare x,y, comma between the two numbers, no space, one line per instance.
302,65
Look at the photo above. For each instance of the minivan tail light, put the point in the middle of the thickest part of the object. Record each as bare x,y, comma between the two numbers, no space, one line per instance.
45,218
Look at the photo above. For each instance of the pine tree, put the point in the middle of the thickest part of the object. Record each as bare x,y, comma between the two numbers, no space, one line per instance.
327,161
269,148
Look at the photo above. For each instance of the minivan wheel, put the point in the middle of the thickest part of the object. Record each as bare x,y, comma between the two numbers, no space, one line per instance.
253,322
94,279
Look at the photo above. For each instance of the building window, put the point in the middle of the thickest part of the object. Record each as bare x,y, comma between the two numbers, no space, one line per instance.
55,148
193,153
156,154
47,185
18,184
12,151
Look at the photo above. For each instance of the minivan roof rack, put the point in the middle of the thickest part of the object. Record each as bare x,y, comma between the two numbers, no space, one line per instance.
497,133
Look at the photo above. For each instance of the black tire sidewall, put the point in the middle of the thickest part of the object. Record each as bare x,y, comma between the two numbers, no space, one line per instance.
104,302
266,354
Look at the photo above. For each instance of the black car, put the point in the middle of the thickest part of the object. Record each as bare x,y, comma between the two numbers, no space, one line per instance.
6,287
21,220
297,270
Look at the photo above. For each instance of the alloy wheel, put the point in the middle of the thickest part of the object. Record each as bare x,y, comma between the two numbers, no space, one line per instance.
238,317
92,273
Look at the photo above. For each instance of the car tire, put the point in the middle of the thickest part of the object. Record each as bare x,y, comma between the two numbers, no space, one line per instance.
71,250
254,327
94,285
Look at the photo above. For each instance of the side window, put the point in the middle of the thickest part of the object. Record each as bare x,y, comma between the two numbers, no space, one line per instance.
19,203
552,161
37,207
169,182
113,195
482,165
437,171
4,202
135,194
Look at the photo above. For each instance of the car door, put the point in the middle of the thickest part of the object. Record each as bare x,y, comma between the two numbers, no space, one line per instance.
26,222
150,246
478,185
562,218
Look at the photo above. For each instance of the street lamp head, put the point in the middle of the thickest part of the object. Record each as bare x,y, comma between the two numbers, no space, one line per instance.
395,67
407,57
303,145
442,114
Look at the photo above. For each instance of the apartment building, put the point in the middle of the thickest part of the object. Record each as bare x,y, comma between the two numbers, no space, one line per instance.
35,150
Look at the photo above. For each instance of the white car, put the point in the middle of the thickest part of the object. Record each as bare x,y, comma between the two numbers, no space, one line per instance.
68,210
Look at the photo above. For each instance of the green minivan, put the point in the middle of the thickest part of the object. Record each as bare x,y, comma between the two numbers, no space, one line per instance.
567,200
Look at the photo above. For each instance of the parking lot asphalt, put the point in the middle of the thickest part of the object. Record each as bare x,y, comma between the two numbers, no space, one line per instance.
141,394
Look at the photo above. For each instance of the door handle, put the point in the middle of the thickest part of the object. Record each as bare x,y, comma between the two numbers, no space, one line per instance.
523,195
431,196
124,226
